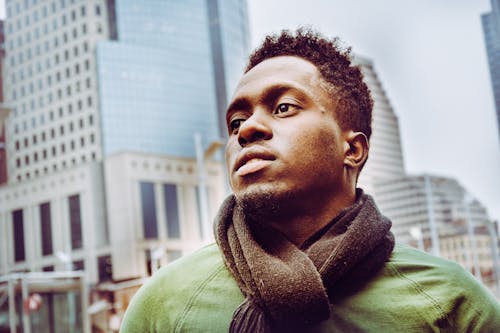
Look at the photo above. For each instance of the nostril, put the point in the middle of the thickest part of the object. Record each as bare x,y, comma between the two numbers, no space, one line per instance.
242,141
258,136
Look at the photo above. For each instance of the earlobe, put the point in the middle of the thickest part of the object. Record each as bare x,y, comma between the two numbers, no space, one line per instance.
356,148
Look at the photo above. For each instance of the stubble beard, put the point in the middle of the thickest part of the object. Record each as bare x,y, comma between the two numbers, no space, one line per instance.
263,204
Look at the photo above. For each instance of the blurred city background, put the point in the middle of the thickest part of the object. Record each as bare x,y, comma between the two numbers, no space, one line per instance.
112,127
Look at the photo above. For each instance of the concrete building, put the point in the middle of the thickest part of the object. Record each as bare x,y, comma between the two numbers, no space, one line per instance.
491,29
105,98
456,244
417,201
436,215
386,157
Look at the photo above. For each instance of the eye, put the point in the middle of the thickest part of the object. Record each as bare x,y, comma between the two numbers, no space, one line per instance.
235,124
284,108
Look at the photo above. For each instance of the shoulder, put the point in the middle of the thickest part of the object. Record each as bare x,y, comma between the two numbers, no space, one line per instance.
190,286
449,294
416,292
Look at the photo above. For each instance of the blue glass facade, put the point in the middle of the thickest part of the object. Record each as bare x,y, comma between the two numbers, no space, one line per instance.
168,73
491,28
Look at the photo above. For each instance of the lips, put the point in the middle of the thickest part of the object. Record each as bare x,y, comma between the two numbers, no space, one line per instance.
252,160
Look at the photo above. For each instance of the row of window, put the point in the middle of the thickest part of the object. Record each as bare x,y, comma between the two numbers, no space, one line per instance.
64,55
35,50
42,13
44,154
61,112
28,3
42,137
57,77
55,167
104,263
75,221
79,104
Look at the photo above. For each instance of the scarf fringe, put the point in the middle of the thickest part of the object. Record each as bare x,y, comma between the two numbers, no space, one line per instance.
249,317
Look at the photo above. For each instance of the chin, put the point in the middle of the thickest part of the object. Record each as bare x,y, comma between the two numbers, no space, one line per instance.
264,200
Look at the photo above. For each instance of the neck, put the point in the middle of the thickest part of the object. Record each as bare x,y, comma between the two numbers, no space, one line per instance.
298,222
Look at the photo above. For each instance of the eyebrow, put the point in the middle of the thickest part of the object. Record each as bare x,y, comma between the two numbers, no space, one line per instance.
268,96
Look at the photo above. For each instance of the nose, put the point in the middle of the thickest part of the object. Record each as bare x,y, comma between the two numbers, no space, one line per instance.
254,128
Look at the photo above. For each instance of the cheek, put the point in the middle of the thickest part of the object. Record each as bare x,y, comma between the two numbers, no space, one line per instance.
230,154
318,150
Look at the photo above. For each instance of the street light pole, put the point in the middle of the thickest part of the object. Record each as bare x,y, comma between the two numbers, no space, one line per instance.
494,250
201,157
66,260
432,220
202,187
24,296
12,305
472,238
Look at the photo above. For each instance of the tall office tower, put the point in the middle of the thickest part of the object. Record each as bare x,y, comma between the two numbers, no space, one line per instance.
167,72
435,214
51,85
491,28
386,157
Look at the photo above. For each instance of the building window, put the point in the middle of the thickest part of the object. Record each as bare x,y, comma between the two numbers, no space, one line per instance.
148,205
75,218
172,210
18,228
105,268
78,265
46,229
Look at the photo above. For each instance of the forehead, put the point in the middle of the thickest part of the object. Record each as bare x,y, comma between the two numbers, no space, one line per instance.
282,70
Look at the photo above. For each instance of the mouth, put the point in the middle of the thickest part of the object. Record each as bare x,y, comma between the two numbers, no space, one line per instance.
252,161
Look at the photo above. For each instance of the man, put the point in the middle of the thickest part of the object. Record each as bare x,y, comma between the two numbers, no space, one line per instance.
299,249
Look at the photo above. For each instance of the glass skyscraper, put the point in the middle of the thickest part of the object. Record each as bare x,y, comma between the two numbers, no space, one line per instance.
491,27
166,73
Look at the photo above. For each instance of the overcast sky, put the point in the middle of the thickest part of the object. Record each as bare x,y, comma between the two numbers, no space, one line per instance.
431,59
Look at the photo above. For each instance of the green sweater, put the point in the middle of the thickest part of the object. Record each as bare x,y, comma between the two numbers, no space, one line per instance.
414,292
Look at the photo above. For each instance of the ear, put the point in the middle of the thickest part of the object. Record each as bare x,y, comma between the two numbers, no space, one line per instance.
356,148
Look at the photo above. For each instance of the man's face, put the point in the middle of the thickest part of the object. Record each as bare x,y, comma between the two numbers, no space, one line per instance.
284,142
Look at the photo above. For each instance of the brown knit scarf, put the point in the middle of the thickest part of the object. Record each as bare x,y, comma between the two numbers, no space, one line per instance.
288,288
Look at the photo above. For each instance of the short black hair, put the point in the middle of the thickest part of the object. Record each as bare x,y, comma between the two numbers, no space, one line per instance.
354,102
